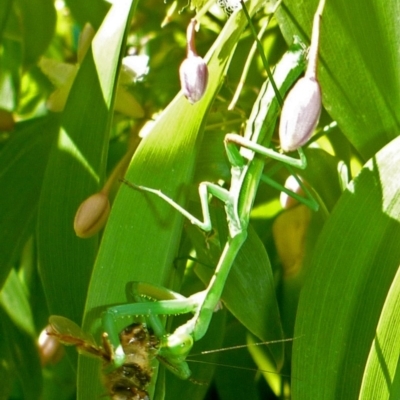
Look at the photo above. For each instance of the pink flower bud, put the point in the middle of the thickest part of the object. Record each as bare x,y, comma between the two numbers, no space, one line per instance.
193,71
92,215
300,114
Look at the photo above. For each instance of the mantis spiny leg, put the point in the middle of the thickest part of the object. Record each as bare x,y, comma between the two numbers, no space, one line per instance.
246,173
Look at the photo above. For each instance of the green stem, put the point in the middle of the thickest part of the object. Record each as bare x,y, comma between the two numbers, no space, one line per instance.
262,55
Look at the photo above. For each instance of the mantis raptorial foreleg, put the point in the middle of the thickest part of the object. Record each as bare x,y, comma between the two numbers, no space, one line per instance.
168,303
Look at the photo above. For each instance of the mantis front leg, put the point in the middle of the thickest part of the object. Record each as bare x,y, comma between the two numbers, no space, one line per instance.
174,347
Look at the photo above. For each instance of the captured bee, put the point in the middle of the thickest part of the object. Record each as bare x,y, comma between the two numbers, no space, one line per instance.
127,382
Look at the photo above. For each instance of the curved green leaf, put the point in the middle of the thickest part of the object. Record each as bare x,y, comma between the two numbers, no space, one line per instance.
38,25
353,267
78,160
4,14
381,377
10,73
236,382
322,174
22,165
8,368
92,11
16,320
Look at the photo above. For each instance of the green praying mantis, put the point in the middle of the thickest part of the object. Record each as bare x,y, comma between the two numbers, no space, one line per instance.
246,155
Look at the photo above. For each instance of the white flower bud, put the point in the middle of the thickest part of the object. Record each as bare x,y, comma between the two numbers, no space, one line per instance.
193,71
302,107
286,200
194,76
92,215
300,114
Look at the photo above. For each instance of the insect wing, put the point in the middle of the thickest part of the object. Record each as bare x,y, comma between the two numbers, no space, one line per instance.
70,334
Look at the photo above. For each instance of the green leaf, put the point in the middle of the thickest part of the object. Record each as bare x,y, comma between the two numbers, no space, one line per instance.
381,377
39,21
20,337
4,14
236,366
22,165
352,270
14,301
10,61
322,174
7,363
92,11
78,160
356,93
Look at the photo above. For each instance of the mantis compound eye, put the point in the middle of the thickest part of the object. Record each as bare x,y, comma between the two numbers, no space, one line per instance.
180,344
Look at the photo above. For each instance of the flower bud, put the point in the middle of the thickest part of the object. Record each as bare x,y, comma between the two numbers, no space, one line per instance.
50,349
300,114
194,75
286,200
193,71
92,215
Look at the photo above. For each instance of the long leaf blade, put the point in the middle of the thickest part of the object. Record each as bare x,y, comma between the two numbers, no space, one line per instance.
355,261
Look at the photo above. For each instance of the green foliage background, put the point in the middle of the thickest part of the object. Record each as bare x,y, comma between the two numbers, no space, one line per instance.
336,280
